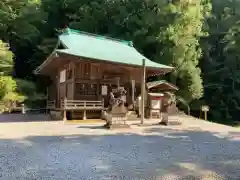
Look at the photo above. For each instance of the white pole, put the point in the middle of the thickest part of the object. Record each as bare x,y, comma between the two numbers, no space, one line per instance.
143,91
23,109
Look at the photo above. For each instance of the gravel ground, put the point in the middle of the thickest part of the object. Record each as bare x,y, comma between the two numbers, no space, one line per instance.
56,151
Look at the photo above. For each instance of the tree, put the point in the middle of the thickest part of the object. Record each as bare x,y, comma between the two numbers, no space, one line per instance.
8,85
20,23
184,51
30,92
221,61
6,59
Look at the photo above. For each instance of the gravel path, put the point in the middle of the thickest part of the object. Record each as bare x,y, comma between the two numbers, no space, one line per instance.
56,151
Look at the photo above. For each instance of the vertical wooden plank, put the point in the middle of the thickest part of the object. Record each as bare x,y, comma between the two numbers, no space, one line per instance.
205,115
143,91
47,100
84,111
73,79
64,110
133,91
58,104
118,82
98,90
91,71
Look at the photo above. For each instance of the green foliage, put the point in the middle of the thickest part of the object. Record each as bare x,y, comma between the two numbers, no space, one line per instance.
185,51
29,90
7,83
12,91
220,64
8,92
6,59
20,25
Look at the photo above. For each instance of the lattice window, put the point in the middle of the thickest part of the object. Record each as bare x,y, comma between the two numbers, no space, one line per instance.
86,89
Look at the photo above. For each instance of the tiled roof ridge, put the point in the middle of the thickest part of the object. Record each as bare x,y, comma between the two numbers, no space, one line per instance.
69,31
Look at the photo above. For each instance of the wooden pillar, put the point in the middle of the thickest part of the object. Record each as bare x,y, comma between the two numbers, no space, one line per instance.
84,112
118,82
143,91
84,115
205,115
73,79
133,92
58,99
47,100
64,109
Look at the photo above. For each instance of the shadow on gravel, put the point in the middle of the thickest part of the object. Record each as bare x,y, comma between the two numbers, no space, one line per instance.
100,126
10,118
158,154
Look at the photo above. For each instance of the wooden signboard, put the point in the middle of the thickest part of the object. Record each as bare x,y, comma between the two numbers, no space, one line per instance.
104,90
62,76
156,104
205,109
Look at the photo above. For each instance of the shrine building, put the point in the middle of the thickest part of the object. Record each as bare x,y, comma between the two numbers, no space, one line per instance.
85,67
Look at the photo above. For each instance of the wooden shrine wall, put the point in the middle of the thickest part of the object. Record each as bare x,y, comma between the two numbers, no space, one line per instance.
84,80
90,77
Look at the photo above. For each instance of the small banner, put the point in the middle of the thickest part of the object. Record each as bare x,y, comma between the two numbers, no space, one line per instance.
104,90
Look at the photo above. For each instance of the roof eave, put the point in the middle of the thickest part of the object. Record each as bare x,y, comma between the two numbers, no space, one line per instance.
49,58
167,83
166,68
45,63
161,70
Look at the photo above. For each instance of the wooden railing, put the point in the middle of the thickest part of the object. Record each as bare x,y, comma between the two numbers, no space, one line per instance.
51,104
84,105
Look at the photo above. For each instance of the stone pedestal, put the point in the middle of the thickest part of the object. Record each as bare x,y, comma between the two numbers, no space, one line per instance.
117,118
164,120
55,115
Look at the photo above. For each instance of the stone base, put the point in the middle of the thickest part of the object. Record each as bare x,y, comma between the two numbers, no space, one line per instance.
110,125
163,123
144,125
55,115
103,115
164,120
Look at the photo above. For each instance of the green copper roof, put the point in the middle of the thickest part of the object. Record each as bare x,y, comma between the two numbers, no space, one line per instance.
104,48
